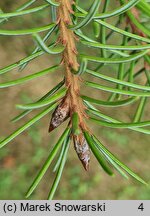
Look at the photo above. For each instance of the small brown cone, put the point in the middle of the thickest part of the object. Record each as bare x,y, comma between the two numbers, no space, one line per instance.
82,150
60,114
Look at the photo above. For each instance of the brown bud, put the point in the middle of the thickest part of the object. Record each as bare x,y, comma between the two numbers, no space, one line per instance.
60,114
82,150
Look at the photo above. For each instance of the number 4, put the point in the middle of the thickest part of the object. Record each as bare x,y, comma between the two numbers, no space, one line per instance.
141,207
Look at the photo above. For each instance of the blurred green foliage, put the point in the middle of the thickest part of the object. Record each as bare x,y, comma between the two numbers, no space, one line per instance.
18,169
